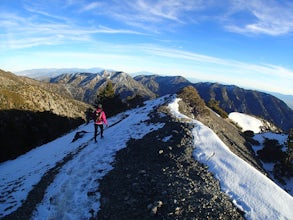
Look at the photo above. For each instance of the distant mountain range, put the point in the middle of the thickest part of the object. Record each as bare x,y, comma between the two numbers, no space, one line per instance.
48,73
84,86
231,98
45,73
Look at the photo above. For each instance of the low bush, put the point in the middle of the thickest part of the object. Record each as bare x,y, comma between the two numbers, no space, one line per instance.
272,151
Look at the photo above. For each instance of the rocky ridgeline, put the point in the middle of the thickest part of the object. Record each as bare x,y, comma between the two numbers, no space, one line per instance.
157,178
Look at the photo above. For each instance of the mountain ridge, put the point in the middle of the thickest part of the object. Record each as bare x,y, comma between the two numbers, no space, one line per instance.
85,86
231,98
53,72
143,168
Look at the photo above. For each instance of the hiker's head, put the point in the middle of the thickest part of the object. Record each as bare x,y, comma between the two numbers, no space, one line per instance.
100,106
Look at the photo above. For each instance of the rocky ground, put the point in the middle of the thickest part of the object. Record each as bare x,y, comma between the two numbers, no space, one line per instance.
157,178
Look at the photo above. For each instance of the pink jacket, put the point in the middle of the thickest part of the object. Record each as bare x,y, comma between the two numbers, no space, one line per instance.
102,119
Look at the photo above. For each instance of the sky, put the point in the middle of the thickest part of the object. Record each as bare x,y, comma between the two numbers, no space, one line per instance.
67,196
239,42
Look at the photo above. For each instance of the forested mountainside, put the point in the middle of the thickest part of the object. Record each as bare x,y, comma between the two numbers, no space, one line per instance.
230,98
33,113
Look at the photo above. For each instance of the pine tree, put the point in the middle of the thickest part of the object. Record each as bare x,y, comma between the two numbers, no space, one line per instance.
285,167
109,90
105,92
289,150
112,103
215,105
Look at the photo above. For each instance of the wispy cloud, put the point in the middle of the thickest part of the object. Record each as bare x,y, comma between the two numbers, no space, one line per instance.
41,24
148,15
266,70
92,6
44,28
268,17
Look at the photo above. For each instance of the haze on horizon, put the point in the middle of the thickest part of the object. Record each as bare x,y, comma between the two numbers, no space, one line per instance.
244,43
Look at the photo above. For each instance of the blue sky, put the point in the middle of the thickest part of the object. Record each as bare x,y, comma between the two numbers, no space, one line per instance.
240,42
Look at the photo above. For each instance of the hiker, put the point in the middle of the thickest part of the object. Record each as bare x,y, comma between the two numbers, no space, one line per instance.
99,120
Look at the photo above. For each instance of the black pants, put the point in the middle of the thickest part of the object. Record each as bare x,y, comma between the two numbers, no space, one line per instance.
96,130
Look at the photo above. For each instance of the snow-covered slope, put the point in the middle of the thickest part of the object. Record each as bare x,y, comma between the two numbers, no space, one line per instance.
67,196
248,122
76,167
253,192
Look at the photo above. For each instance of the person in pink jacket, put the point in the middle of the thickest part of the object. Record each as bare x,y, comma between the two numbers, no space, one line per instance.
99,120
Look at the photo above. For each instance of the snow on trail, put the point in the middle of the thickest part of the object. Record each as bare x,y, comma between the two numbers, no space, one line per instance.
250,190
70,196
19,175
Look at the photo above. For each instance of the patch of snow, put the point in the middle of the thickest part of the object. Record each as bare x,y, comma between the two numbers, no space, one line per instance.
246,122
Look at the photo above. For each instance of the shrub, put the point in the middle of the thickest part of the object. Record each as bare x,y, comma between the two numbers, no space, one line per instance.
272,151
191,97
215,106
135,101
248,135
282,170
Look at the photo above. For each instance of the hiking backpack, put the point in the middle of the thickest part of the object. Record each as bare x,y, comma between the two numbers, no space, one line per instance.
98,116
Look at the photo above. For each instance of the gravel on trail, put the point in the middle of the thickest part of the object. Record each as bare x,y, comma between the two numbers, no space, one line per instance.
156,177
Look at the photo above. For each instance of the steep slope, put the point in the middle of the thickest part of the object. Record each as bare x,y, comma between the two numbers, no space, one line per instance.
163,85
23,93
85,86
288,99
235,99
225,130
33,113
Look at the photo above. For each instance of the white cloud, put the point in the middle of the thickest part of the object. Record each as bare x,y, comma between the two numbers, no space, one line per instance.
269,17
92,6
29,31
